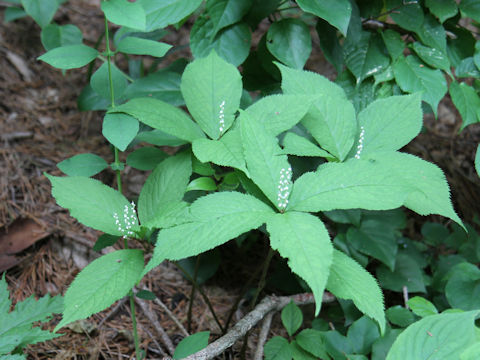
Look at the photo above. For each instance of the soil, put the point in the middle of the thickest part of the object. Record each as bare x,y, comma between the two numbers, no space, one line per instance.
40,126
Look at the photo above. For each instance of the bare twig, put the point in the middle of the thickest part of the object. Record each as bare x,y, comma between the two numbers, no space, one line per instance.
18,135
113,311
159,348
153,319
268,304
262,338
405,295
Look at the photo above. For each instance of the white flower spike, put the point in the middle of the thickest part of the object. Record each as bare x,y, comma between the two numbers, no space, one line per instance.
221,117
360,143
129,219
284,185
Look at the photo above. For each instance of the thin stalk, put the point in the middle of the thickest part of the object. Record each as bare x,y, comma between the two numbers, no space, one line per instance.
119,186
192,295
261,285
134,325
204,296
112,98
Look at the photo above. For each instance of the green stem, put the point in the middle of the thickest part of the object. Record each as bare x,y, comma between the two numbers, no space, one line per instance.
204,296
192,295
134,325
112,98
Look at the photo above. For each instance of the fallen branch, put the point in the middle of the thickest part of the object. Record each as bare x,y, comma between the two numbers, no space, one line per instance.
267,305
262,337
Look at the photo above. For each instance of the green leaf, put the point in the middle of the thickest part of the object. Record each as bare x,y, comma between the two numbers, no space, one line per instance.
366,55
212,89
292,318
69,57
120,129
408,15
432,56
400,316
294,144
165,185
191,344
166,12
471,353
41,11
270,171
349,280
304,241
206,265
463,287
214,219
466,101
228,151
146,295
467,68
394,43
336,13
125,13
100,81
231,44
138,46
312,341
226,12
471,8
290,42
362,333
422,307
390,124
90,100
160,115
83,165
104,281
277,348
146,158
302,82
433,34
477,160
13,13
169,215
279,113
442,9
90,202
382,345
161,85
53,36
202,183
375,238
104,241
412,76
332,123
406,273
443,336
298,353
329,44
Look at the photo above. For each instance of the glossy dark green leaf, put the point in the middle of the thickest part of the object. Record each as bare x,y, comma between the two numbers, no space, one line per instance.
53,36
191,344
232,43
432,56
69,57
125,13
432,34
82,165
471,8
394,43
208,264
146,158
329,43
400,316
409,15
336,13
120,129
463,287
362,333
467,68
366,56
41,11
467,102
290,42
89,100
413,76
382,345
461,46
407,273
162,13
100,81
105,240
224,13
13,13
162,85
146,295
442,9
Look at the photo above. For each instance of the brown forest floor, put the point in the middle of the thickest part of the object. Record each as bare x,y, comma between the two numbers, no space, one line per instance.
41,126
